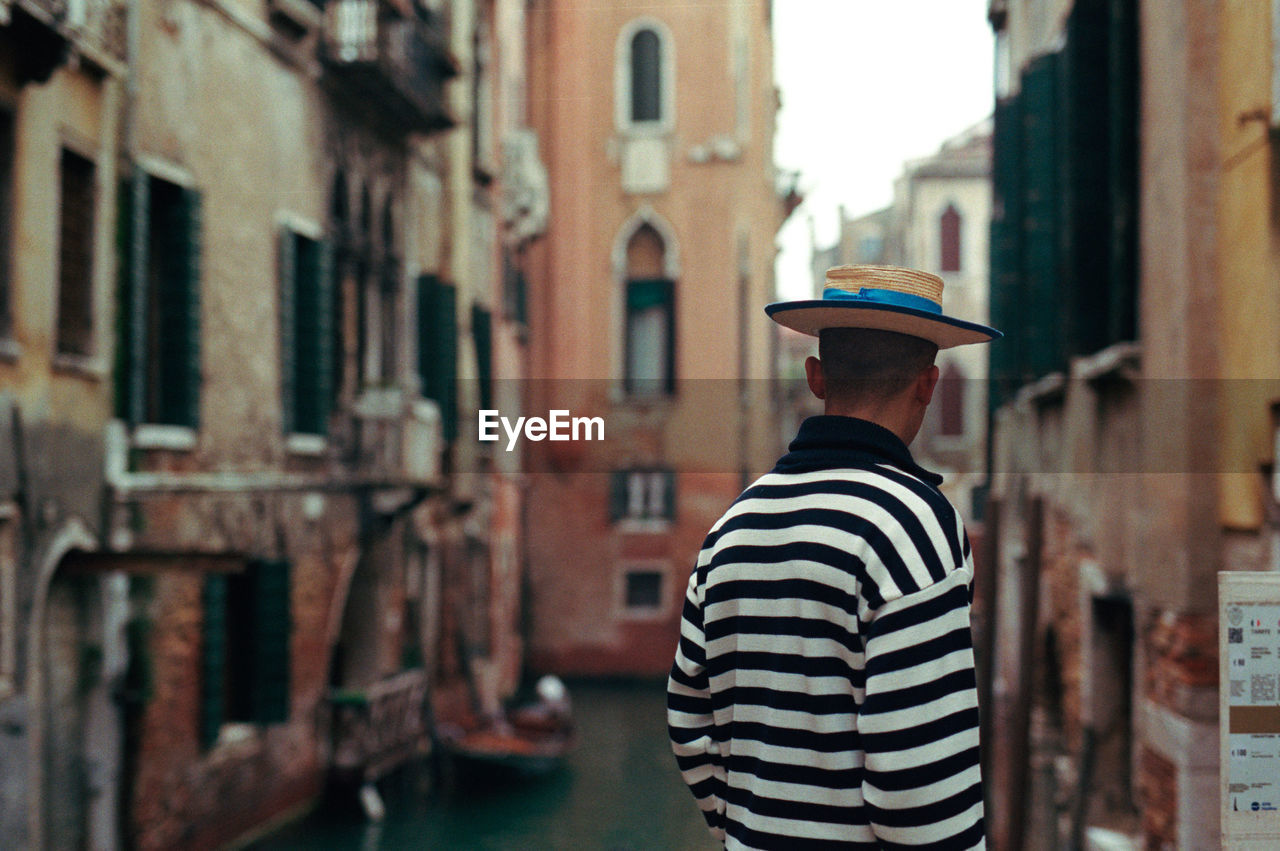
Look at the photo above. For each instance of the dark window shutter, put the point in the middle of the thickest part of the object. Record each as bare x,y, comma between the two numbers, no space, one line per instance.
213,659
618,494
482,336
669,494
1042,272
272,629
323,369
190,397
133,342
1122,164
288,257
438,348
1005,366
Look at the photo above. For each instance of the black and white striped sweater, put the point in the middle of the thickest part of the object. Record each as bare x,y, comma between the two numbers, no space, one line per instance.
823,692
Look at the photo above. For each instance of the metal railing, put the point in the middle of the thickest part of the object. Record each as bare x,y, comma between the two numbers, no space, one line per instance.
377,728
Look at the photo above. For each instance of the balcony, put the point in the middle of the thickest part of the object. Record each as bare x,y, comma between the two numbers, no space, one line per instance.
390,64
48,32
381,727
398,439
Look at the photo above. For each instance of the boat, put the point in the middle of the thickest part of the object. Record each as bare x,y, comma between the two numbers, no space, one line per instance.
527,741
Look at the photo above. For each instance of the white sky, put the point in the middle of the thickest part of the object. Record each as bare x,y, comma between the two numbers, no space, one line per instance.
867,85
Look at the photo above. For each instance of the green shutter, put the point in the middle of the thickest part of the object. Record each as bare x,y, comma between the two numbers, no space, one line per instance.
482,336
1084,199
1006,250
213,659
1042,274
135,339
288,262
1122,178
272,629
191,386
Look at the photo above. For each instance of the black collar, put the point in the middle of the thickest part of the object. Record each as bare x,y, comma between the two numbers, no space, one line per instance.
827,442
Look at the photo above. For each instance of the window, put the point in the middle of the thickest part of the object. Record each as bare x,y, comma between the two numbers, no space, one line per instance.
949,237
160,350
6,219
246,649
650,317
8,597
646,76
951,403
75,256
306,341
438,348
643,495
643,589
482,337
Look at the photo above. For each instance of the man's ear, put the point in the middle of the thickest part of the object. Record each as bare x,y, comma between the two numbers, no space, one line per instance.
813,373
925,384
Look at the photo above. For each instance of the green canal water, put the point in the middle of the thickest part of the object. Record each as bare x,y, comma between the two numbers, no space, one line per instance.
618,791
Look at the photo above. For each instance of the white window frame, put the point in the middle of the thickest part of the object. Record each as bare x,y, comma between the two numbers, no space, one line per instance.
622,79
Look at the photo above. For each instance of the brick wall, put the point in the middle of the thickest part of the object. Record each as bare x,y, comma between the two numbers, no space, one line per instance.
1158,791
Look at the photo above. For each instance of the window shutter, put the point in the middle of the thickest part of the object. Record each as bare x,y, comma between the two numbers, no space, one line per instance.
1041,273
133,341
213,659
272,629
482,336
438,348
669,494
190,397
618,495
1122,162
1006,248
322,377
288,272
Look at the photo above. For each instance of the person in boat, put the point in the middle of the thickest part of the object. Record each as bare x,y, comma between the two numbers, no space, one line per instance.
823,689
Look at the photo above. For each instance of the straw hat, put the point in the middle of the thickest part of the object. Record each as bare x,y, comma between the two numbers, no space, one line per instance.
886,298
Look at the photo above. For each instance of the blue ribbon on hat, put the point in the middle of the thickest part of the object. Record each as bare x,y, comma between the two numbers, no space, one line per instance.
880,296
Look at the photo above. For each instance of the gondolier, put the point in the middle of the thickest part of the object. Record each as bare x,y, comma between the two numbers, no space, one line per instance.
823,692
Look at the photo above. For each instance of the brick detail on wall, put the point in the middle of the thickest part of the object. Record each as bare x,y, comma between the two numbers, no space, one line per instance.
1158,788
1182,661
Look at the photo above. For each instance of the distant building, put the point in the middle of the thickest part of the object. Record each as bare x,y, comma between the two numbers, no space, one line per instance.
646,309
938,222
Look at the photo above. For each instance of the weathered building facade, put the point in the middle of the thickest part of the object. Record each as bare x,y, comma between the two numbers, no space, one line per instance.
62,81
251,284
1134,263
647,298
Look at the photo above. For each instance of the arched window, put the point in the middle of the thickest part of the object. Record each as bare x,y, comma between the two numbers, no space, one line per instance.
646,76
650,317
951,403
949,231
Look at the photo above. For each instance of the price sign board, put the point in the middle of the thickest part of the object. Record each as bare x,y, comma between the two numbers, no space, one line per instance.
1249,708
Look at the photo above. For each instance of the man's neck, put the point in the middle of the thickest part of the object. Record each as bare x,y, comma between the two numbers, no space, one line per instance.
895,418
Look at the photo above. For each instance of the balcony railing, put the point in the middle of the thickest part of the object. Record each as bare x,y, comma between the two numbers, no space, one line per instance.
389,62
47,31
381,727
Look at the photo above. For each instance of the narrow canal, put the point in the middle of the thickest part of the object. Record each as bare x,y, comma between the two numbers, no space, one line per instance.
618,791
